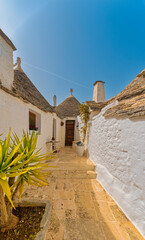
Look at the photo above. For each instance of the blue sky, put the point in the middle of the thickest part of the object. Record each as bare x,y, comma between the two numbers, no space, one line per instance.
67,44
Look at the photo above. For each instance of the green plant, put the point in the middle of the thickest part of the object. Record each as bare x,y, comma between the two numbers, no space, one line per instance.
19,163
84,114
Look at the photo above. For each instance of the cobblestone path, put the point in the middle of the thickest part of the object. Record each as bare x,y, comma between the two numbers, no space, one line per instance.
82,210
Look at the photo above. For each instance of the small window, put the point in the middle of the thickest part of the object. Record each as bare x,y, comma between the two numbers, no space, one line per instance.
32,121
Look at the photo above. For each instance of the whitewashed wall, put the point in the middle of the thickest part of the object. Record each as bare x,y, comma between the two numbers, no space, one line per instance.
14,114
117,147
6,64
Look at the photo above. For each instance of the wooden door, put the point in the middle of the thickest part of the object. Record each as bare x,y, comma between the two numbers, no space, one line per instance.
69,132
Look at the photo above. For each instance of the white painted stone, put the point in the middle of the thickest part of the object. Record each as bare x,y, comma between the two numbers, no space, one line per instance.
117,147
99,92
6,64
15,115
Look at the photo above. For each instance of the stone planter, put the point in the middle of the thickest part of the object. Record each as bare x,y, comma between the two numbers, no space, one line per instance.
74,145
80,150
41,235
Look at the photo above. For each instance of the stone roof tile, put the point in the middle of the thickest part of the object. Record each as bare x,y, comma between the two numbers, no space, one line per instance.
131,101
68,108
26,90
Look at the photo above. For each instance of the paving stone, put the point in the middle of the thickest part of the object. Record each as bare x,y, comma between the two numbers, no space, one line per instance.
81,208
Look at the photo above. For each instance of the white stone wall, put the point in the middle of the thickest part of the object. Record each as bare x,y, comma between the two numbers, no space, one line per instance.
14,114
117,147
6,64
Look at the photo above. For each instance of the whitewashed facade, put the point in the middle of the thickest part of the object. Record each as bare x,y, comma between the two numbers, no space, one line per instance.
117,147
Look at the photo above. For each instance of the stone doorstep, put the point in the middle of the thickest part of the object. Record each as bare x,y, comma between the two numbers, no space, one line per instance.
41,235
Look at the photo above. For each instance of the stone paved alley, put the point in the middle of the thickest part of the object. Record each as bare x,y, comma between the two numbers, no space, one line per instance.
82,210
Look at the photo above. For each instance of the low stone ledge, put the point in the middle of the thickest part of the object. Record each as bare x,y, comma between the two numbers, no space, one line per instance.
41,235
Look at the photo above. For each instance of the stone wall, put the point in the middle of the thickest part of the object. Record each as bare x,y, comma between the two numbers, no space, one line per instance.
117,147
6,64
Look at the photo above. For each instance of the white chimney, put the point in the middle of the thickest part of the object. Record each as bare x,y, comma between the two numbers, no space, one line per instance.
6,61
99,92
54,100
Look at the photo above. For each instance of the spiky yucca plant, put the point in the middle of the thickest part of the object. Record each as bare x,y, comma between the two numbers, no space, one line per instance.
20,162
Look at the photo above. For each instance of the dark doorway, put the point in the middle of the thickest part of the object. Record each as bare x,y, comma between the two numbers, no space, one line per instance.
69,132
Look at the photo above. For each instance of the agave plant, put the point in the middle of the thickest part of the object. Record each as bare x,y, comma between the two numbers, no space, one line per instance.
19,163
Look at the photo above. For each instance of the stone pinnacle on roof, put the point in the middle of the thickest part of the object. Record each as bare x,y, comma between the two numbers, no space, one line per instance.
18,64
69,107
26,90
71,91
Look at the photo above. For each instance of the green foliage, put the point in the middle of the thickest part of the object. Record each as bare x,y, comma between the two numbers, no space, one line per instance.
21,161
84,114
7,163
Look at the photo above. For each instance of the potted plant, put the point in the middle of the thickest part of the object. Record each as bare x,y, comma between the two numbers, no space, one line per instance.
20,163
33,129
61,124
80,148
84,115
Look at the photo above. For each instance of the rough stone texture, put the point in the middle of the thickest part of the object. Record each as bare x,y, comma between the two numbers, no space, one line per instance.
117,148
82,210
68,108
26,90
131,100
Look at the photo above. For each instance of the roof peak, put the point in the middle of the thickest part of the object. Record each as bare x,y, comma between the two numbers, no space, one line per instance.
68,108
8,41
142,73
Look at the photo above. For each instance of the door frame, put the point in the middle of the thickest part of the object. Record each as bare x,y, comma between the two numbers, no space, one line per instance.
69,120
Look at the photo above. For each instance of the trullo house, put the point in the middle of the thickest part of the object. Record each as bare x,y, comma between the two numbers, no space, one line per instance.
22,106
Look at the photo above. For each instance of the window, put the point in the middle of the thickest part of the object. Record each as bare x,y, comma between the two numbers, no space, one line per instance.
32,121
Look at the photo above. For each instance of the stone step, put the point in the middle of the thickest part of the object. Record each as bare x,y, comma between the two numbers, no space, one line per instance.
75,166
76,174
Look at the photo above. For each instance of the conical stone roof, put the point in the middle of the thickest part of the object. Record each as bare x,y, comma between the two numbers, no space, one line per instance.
131,101
26,90
68,108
